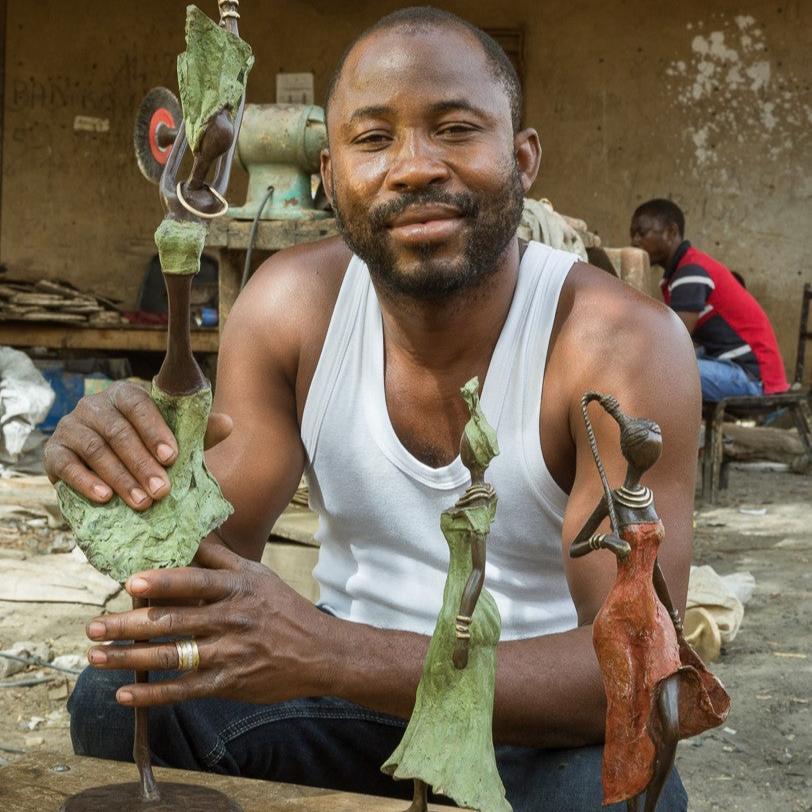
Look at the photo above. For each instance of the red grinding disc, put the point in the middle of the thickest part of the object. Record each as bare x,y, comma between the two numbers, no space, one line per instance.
159,112
160,116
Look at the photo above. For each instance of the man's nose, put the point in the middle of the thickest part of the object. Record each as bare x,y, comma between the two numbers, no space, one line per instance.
417,164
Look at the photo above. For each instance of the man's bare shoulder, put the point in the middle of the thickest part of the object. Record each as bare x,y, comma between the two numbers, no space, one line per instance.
600,313
304,276
284,311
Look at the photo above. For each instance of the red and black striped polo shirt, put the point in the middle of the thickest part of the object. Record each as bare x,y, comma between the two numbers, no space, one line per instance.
731,323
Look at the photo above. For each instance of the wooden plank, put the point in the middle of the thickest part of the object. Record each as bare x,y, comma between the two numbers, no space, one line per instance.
229,277
132,339
272,235
294,564
43,782
297,523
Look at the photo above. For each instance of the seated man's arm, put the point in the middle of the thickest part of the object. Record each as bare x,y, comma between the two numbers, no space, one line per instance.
689,319
689,288
259,465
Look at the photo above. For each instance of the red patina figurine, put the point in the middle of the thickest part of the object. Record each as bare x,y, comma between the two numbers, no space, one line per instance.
658,690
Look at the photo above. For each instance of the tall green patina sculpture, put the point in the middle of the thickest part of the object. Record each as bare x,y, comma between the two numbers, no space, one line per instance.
118,541
448,743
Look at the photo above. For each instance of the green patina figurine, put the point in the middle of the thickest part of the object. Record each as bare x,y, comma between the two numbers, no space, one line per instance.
211,74
448,743
117,540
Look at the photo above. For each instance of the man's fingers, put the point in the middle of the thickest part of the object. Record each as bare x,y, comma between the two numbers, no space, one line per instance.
140,410
63,464
156,621
89,446
189,686
217,429
126,444
184,583
216,556
148,656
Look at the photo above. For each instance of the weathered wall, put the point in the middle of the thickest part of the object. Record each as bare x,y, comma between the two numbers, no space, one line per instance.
708,102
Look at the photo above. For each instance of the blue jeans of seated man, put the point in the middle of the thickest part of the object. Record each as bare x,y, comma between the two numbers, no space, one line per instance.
721,379
322,742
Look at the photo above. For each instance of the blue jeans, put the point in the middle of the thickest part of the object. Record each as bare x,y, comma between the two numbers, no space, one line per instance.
323,742
725,379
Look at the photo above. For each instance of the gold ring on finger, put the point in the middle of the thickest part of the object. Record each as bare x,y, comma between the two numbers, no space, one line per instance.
188,655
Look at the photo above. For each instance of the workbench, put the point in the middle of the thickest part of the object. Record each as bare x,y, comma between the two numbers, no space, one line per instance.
124,338
41,782
231,239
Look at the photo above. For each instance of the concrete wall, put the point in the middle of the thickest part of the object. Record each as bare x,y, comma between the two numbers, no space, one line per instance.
632,99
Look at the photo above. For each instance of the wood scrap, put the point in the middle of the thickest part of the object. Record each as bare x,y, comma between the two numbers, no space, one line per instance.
48,300
745,443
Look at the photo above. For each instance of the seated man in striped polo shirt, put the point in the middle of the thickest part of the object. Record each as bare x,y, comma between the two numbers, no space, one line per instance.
735,344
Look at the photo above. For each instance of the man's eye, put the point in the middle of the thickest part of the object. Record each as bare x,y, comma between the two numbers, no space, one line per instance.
373,139
456,129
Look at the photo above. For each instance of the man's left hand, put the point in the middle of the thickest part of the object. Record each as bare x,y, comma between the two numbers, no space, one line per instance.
259,641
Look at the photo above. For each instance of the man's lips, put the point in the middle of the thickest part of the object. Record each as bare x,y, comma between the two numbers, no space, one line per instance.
420,224
424,214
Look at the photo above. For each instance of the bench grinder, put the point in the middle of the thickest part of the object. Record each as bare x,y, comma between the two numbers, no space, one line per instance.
279,147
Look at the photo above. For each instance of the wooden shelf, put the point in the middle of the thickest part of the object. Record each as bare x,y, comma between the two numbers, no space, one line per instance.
76,337
272,235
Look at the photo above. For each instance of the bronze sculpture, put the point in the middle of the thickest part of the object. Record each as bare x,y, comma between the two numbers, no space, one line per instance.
448,743
658,690
211,74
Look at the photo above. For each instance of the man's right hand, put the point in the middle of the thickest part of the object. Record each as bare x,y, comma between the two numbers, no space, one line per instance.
118,442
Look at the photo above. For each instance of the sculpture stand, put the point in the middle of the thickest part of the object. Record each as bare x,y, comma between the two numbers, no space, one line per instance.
127,798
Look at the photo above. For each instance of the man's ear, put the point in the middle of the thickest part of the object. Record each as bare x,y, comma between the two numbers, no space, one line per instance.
527,150
327,175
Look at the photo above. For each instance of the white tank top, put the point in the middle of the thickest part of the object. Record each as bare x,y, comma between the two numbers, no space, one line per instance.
383,560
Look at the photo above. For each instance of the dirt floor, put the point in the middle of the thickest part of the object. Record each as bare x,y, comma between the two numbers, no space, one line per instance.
760,760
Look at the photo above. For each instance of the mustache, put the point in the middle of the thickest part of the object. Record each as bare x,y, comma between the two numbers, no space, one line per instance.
466,204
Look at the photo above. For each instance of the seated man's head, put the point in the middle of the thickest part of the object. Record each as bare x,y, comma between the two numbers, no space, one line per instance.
658,227
426,166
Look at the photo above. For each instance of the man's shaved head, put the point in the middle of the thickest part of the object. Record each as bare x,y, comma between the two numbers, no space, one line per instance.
421,18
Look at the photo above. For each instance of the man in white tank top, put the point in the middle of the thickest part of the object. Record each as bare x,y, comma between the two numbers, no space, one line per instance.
343,359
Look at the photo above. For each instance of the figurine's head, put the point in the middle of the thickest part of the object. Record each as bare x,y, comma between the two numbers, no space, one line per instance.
641,442
478,445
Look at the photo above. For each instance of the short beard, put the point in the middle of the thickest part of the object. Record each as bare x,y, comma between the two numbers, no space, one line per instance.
494,220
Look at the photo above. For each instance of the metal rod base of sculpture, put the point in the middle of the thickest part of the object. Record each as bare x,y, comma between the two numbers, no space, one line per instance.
175,797
141,752
147,795
420,803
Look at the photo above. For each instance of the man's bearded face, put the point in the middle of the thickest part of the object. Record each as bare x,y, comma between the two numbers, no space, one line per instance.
430,271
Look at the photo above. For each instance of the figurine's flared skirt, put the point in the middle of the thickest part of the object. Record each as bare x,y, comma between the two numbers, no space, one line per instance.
448,742
637,648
